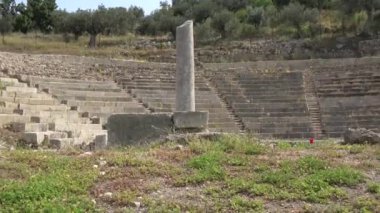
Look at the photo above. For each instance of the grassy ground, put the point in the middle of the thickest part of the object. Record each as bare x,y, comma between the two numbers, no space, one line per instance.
230,174
109,46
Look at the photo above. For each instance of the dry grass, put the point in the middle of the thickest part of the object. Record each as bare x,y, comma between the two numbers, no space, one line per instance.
109,46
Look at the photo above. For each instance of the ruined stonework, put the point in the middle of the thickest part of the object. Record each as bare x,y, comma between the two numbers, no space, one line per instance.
265,98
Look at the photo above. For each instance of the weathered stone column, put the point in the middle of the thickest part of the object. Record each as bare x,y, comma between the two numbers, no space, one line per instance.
185,98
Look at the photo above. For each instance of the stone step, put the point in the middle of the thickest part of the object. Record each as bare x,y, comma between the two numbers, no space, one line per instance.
73,85
12,84
4,110
94,98
75,127
30,127
272,110
38,113
9,80
99,103
290,119
30,101
136,109
12,118
266,105
85,93
57,119
25,95
37,79
36,107
40,137
21,89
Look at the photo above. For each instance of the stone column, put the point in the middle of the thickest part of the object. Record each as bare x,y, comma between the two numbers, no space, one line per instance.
185,98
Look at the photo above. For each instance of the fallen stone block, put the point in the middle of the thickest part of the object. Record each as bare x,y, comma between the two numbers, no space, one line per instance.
136,129
361,136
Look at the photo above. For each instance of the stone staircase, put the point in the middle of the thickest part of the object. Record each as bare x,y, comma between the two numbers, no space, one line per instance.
42,120
349,97
313,104
239,122
270,105
94,99
157,93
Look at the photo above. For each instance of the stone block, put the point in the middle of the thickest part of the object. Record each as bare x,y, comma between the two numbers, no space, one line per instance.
190,120
135,129
101,141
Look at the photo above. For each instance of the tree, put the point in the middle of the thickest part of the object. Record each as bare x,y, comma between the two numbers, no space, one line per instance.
204,33
7,13
76,23
281,3
233,5
23,22
248,32
224,22
95,23
297,16
256,16
41,12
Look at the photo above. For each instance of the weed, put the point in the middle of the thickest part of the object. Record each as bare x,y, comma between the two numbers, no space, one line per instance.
374,188
61,186
208,168
241,204
367,204
341,176
356,149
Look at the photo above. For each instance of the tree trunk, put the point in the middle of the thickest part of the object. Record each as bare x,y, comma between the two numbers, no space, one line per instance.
92,43
3,35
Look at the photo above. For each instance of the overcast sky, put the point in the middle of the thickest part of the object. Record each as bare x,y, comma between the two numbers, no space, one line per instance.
73,5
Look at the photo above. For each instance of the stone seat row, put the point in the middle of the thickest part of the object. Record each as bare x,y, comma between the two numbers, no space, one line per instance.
43,118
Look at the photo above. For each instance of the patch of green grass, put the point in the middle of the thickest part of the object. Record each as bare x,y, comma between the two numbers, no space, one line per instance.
208,167
230,144
241,144
237,160
170,206
131,158
341,176
308,178
374,188
356,149
126,198
60,187
367,204
243,204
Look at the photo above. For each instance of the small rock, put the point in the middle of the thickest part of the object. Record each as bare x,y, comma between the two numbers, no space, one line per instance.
93,201
102,163
137,204
12,148
102,173
108,194
86,154
95,166
179,147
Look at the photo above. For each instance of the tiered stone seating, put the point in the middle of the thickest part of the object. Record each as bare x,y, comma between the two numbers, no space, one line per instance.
42,119
349,97
271,105
93,98
156,90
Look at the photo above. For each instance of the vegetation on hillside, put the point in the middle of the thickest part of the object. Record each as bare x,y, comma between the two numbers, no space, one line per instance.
227,174
214,19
